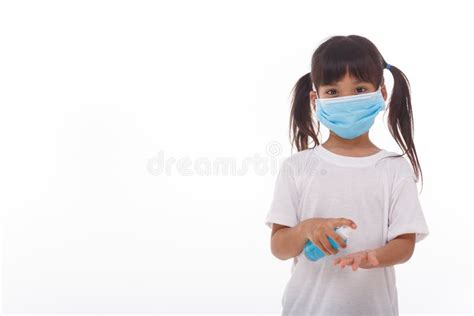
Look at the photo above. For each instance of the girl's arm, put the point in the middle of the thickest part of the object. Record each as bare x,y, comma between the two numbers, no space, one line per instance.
396,251
287,242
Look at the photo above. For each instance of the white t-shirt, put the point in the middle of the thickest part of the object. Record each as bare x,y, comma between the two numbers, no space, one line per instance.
379,194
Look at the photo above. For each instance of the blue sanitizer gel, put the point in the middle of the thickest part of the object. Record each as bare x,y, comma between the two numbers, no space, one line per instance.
313,253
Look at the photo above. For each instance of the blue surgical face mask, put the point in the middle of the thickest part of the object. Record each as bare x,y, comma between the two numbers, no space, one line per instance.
350,116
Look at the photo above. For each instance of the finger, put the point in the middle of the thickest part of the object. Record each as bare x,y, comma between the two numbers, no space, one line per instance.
341,259
337,238
317,243
347,261
356,263
338,261
345,221
344,263
341,263
324,240
322,248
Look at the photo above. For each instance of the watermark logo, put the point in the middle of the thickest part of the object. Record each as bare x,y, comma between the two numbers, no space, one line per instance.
270,162
261,164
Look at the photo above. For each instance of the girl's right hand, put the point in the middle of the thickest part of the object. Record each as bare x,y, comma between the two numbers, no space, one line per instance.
318,229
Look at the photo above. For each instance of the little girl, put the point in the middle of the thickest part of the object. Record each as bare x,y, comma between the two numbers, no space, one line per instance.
347,181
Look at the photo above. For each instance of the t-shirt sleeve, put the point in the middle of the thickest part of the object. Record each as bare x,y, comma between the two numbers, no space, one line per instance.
405,213
285,199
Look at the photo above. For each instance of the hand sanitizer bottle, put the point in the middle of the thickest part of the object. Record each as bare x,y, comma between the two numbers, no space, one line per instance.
313,253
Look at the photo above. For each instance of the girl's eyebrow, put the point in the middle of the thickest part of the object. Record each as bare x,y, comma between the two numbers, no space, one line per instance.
337,83
359,81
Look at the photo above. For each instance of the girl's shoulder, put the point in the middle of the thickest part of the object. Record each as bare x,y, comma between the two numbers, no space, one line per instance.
398,166
300,163
299,157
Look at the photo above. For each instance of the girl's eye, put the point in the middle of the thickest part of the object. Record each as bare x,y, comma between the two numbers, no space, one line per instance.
359,90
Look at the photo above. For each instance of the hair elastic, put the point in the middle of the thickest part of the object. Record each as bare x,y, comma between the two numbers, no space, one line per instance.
388,66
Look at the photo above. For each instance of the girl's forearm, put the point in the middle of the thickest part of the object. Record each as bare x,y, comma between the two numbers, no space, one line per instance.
397,251
288,242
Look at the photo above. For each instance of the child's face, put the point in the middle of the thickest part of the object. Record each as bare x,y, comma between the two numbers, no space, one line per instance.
347,86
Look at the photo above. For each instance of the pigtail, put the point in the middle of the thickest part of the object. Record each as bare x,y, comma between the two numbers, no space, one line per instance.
400,118
301,117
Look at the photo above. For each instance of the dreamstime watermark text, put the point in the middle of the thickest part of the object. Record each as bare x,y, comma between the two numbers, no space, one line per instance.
261,164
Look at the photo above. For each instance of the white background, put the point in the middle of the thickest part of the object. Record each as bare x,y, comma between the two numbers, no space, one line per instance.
93,93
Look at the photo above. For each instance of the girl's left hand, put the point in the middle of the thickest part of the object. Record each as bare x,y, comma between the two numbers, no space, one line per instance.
363,259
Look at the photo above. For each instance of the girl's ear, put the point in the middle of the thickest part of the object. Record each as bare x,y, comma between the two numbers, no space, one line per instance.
383,89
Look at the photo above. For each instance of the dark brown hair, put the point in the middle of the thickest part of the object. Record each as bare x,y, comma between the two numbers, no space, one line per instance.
361,58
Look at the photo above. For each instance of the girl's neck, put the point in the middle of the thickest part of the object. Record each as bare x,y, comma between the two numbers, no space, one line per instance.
359,146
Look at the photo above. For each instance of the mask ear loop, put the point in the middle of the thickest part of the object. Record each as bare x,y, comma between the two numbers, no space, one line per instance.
384,102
